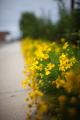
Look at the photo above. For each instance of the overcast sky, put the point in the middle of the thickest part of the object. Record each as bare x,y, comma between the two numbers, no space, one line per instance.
10,12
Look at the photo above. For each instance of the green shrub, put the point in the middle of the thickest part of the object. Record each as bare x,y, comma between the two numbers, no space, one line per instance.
34,27
67,26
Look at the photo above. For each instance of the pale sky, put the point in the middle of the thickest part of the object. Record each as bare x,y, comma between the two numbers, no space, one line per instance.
10,12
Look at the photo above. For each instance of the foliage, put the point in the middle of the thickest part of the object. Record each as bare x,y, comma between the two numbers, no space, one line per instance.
67,26
35,27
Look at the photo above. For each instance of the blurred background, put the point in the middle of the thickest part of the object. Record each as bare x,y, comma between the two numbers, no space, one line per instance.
11,14
44,19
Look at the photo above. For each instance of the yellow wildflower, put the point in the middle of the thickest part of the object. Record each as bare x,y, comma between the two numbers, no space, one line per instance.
24,83
70,75
65,45
35,93
41,75
65,62
59,82
38,93
50,66
46,56
49,49
47,72
32,95
40,67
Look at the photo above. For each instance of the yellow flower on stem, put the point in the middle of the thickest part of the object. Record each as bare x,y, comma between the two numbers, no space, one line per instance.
24,83
40,67
59,82
65,62
65,45
41,75
50,66
35,94
47,72
38,93
46,56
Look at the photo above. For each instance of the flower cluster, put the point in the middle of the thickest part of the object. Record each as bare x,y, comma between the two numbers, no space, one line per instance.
48,66
65,62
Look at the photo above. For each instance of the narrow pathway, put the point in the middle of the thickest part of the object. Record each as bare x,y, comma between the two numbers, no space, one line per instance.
12,96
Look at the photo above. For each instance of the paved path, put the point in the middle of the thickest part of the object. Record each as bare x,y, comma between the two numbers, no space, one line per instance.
12,96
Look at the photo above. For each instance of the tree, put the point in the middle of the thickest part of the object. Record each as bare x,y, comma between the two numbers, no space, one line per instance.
72,5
